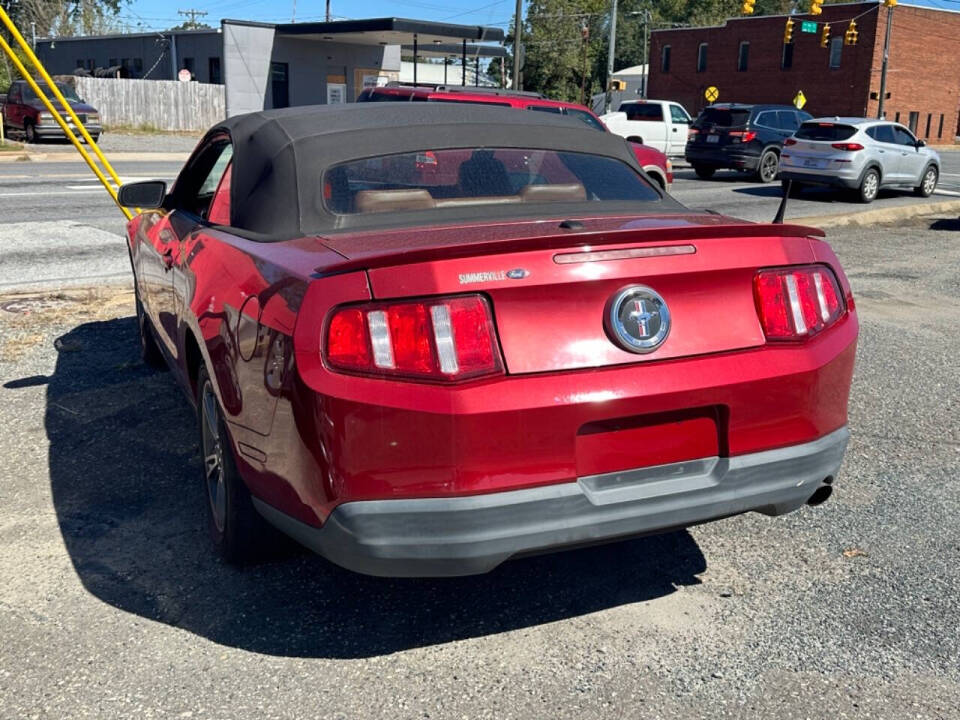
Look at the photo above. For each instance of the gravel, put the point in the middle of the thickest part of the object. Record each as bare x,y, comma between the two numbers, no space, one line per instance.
111,142
111,604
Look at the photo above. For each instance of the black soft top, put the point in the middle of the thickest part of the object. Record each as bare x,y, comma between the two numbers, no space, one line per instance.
279,157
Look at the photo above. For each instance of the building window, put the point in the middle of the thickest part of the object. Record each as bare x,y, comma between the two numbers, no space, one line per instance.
112,63
836,50
189,65
929,118
702,58
897,118
213,65
743,56
91,64
138,66
940,129
280,84
914,119
80,63
665,59
786,60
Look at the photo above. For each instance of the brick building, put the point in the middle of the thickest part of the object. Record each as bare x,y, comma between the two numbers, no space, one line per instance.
747,60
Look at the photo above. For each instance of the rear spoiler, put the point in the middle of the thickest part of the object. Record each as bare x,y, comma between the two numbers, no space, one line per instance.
393,257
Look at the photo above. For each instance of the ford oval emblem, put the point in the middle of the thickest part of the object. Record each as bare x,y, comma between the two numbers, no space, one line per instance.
637,318
517,273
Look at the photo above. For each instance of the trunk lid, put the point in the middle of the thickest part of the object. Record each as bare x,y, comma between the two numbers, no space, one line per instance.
550,289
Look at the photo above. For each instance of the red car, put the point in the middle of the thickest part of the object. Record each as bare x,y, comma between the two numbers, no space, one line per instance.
657,165
418,374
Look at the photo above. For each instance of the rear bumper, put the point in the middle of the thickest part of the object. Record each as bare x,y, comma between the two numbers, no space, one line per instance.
721,157
848,183
473,534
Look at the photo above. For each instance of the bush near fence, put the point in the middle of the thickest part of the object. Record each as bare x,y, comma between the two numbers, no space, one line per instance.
155,104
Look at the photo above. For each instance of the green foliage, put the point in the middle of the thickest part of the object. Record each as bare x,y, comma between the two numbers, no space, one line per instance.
553,42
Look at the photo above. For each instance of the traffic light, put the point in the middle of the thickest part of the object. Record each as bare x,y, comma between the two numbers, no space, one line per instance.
825,36
788,32
889,3
851,35
618,85
747,7
815,7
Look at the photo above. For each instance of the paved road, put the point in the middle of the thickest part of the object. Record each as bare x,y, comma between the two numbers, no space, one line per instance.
58,225
731,193
111,605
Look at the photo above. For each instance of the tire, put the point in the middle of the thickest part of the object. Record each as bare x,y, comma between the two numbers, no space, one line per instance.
635,139
95,138
928,182
769,166
869,186
703,172
30,133
236,529
149,349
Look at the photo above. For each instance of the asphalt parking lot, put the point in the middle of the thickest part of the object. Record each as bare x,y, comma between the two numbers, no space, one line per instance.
112,605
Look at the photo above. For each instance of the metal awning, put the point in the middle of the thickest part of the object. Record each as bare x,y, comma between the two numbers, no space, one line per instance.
391,31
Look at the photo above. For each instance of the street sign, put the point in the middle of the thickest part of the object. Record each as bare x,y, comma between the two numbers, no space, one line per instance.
808,26
711,94
184,75
799,100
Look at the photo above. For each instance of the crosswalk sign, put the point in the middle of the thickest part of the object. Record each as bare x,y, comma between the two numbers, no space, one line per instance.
711,94
799,100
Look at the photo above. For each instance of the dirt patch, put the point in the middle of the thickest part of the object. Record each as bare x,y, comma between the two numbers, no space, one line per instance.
26,318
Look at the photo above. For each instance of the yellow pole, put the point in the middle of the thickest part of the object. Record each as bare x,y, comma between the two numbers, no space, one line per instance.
5,19
63,125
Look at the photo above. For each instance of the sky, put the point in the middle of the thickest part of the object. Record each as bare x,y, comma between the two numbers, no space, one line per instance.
161,14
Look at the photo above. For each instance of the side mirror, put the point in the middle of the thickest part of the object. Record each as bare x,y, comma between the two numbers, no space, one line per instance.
146,194
920,144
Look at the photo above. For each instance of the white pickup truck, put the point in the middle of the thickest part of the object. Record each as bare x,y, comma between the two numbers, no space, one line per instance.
660,124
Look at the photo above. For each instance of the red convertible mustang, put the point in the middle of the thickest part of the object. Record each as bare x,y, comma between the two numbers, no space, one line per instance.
423,339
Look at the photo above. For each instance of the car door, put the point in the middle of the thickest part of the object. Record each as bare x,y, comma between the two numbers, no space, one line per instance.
679,128
164,254
912,161
13,110
888,151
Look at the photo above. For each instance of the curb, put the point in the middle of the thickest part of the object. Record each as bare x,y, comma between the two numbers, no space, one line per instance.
59,157
879,215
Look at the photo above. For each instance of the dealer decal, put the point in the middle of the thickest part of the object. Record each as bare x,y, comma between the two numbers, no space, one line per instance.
492,276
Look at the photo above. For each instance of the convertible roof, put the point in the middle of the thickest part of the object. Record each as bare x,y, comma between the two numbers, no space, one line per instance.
279,156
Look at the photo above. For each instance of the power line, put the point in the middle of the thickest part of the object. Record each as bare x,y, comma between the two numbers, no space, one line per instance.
192,14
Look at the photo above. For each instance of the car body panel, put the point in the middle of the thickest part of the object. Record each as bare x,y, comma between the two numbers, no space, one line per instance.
571,403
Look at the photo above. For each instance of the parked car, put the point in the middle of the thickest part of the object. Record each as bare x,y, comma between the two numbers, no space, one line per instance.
660,124
656,164
859,154
741,137
423,374
24,112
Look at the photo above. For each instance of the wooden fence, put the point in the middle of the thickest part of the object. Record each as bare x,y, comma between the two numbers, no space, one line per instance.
159,104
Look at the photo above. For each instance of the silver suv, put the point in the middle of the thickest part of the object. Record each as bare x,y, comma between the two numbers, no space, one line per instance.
858,154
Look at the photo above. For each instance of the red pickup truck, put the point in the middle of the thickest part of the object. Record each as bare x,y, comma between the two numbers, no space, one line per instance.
23,112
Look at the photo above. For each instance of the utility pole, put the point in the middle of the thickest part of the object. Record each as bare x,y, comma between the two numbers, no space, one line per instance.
516,45
608,99
584,38
646,60
33,29
886,57
328,10
193,14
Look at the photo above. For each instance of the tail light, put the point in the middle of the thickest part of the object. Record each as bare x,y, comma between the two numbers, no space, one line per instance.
692,133
443,339
743,135
789,141
797,302
848,147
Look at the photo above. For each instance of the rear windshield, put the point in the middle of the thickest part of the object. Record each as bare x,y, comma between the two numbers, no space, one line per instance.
479,177
720,117
825,131
642,111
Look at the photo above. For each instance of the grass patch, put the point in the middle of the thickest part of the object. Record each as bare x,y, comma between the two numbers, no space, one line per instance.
11,146
146,129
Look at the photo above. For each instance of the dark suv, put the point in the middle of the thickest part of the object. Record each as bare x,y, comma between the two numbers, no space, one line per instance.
741,137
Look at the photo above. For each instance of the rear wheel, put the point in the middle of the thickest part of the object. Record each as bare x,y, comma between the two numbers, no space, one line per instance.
928,183
237,530
769,166
869,186
635,139
703,172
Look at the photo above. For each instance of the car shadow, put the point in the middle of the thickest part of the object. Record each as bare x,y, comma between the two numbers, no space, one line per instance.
946,224
124,474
